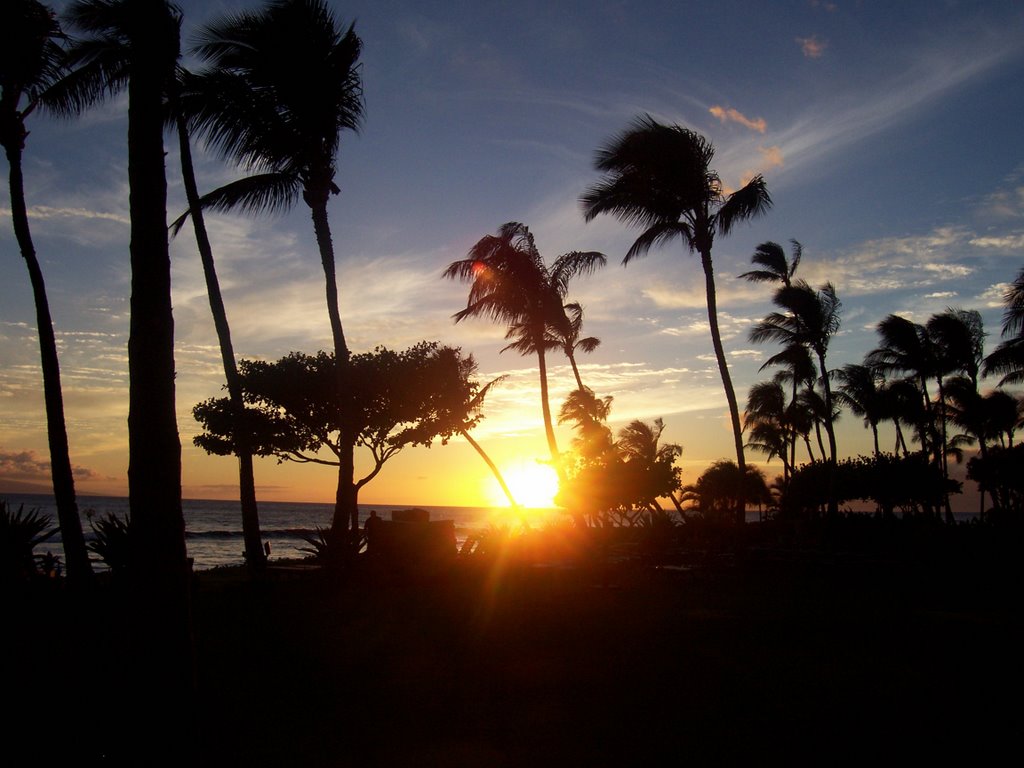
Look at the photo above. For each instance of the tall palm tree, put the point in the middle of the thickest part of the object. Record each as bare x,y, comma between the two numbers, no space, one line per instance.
281,85
510,283
134,45
255,557
1007,359
659,178
31,59
774,266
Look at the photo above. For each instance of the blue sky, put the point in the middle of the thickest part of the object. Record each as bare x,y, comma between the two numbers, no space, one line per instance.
889,135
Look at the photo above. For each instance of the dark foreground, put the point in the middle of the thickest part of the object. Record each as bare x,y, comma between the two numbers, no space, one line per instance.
806,655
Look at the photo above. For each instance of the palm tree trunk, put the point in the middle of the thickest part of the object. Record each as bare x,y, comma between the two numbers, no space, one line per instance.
75,554
493,467
346,504
549,430
723,369
154,464
575,370
254,555
874,434
830,430
160,640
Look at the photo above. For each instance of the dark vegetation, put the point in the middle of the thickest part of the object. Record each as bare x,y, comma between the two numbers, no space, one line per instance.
631,633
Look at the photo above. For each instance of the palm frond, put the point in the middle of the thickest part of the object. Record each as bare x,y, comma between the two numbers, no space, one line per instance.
658,234
267,192
748,202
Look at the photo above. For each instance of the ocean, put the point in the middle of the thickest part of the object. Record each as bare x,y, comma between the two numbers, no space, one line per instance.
213,529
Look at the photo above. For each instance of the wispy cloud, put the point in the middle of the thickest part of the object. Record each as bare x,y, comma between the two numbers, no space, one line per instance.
730,115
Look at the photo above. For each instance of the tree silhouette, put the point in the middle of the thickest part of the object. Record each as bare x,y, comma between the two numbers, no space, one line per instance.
511,284
255,557
571,341
388,400
809,318
31,60
134,44
859,390
906,349
767,422
281,85
775,267
476,408
1007,360
659,178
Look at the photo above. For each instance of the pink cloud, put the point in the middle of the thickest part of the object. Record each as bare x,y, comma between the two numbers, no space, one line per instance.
812,47
731,115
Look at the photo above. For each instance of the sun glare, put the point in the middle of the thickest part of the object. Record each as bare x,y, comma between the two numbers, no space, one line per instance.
533,484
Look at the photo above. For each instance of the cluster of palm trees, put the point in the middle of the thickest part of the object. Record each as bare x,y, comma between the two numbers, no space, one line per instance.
924,378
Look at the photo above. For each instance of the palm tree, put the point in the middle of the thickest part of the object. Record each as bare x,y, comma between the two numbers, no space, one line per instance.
859,390
571,341
282,83
810,318
475,407
510,283
659,178
774,266
1008,358
906,349
133,44
255,557
31,59
767,422
799,372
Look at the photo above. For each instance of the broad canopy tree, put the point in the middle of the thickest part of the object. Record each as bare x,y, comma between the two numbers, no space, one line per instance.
386,401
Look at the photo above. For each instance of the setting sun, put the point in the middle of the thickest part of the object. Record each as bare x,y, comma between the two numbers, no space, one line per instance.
533,484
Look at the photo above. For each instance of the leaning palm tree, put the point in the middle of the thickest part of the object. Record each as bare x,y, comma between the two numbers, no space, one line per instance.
510,283
31,59
475,407
659,178
281,85
569,336
255,557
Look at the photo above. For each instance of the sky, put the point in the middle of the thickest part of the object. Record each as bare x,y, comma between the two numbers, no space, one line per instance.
889,135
